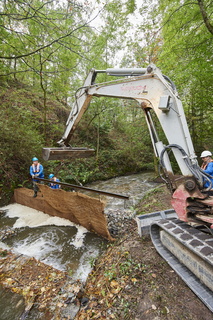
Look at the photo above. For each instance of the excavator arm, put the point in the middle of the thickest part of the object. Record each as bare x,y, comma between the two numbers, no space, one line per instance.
153,91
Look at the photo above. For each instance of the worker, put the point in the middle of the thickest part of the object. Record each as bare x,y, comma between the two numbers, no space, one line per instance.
207,166
54,185
36,170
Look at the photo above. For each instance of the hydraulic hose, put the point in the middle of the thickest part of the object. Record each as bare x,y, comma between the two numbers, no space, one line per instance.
170,82
207,176
195,169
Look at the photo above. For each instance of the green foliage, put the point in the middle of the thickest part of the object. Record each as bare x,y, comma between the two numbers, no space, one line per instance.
186,57
144,41
21,136
131,6
41,42
19,142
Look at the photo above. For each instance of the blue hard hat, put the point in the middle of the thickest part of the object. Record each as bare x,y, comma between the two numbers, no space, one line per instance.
51,175
34,159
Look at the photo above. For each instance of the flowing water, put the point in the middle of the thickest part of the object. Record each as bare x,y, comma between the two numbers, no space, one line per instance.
135,186
59,242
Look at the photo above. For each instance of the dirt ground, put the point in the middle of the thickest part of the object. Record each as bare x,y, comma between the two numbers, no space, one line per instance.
131,281
42,292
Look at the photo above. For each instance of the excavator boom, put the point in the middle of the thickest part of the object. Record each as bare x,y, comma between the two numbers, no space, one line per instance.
153,91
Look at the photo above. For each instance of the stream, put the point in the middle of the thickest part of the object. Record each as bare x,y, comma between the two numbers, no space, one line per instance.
60,243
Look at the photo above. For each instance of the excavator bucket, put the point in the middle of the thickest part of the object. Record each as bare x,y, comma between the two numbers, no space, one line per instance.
66,153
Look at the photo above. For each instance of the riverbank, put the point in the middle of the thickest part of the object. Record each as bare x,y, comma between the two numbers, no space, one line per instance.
40,291
131,281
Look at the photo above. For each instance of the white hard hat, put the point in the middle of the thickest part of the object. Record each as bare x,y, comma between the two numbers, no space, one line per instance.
206,154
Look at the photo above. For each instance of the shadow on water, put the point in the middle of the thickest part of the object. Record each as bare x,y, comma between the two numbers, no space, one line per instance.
12,310
15,309
5,221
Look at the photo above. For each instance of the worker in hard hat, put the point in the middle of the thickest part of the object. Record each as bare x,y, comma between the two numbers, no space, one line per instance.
54,185
207,166
36,170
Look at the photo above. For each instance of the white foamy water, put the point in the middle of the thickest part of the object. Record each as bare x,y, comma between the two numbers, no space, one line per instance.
38,248
53,245
42,248
4,246
28,217
78,240
85,265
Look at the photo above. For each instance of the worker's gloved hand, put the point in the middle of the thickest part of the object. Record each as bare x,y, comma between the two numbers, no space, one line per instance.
33,177
36,175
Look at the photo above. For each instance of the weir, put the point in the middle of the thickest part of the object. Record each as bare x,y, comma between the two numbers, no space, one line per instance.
74,206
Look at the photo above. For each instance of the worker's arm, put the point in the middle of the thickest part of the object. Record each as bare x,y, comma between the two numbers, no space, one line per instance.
209,168
31,171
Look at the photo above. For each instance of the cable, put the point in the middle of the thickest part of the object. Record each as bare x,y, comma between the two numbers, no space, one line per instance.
170,82
166,179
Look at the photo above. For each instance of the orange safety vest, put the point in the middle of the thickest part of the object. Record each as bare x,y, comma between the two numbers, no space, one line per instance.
204,165
36,167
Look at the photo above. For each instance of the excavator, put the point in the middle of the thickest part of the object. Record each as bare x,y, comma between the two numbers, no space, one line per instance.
186,242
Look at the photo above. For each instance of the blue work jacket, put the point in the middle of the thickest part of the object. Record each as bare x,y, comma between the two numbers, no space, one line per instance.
209,170
37,170
55,186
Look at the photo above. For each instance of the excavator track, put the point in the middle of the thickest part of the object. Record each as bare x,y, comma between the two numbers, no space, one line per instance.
189,252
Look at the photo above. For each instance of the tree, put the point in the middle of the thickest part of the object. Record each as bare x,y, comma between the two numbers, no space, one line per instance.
186,56
204,8
42,43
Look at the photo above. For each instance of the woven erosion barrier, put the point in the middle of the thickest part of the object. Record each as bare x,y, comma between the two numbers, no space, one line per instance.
74,206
